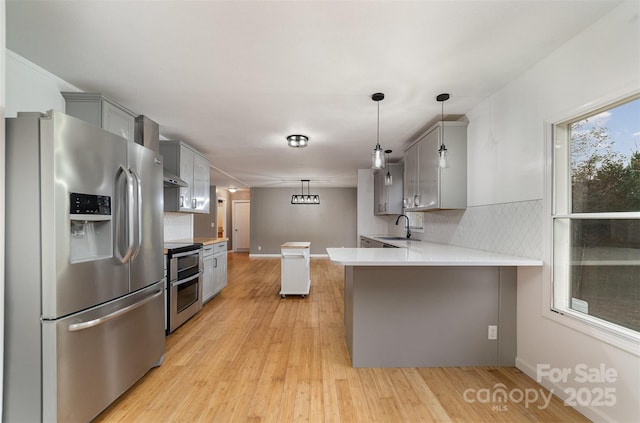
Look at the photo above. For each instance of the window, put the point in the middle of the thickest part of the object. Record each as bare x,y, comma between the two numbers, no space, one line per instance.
596,217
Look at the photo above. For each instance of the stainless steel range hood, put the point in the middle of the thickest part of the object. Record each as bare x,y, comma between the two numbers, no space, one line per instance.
147,133
171,180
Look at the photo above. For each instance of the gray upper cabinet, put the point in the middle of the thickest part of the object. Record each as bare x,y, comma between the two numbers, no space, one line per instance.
427,186
101,111
388,199
193,168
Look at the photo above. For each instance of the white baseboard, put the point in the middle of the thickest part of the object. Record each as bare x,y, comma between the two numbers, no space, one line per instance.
592,413
278,255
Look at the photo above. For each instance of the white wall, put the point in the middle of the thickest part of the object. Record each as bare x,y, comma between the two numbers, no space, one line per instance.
506,164
31,88
2,168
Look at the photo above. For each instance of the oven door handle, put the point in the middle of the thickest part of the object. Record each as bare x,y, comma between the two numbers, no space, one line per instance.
187,253
189,279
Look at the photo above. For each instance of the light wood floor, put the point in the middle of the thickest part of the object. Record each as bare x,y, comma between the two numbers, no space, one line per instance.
250,356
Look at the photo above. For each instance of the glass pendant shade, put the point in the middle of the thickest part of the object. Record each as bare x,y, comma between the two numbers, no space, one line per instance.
442,151
388,179
377,158
442,159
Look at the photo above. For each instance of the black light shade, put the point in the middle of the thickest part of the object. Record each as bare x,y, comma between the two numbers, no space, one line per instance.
302,198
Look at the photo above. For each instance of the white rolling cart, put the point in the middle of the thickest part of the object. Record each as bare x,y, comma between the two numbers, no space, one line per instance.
295,263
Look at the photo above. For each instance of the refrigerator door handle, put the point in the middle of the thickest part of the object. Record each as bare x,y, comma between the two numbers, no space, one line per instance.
138,220
130,211
96,322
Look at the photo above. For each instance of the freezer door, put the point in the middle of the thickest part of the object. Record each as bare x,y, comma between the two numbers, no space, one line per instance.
91,358
77,157
147,261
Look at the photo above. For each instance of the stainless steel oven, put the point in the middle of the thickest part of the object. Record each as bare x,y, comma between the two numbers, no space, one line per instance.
184,286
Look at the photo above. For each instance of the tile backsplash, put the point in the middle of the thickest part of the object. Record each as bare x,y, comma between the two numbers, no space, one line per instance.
507,228
178,226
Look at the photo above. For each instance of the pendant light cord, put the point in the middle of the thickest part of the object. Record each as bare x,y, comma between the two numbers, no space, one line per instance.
442,117
378,133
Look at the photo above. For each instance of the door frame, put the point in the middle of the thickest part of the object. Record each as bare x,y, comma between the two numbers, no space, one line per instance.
223,218
233,223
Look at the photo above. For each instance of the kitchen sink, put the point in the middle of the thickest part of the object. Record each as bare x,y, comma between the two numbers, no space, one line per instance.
396,238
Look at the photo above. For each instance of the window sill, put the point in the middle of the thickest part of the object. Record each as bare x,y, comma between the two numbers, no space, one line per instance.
624,339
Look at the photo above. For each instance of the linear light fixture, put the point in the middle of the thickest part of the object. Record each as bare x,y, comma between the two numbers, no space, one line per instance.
303,198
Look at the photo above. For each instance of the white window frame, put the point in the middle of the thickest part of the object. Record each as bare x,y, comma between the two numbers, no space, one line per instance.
621,337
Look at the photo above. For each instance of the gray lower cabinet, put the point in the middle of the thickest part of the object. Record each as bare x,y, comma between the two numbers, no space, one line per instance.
370,243
430,316
214,277
193,168
102,111
219,267
207,274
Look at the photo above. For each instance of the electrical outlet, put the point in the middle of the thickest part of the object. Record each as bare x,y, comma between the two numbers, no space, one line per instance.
259,247
493,332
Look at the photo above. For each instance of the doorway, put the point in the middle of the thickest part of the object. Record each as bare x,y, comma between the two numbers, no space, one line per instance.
241,224
221,219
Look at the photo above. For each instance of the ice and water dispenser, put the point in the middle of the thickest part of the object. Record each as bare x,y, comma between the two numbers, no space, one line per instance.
91,227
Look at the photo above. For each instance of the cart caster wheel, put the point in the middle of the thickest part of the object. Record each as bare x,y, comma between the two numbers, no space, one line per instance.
303,295
282,295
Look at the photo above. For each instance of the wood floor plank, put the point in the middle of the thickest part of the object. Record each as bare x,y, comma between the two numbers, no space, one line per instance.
251,356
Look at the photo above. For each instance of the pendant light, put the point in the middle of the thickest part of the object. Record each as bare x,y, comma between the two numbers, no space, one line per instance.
377,158
442,151
303,198
388,179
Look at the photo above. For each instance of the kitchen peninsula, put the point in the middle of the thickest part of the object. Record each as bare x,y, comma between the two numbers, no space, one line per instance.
426,304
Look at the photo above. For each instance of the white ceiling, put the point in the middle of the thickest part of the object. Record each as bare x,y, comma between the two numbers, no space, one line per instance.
234,78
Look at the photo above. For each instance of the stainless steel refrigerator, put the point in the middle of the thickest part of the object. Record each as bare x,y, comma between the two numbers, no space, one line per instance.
84,301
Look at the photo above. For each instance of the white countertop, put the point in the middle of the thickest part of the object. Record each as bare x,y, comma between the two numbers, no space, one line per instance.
294,244
422,253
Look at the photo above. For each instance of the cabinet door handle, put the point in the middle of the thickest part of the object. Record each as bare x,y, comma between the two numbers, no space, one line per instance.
182,201
194,203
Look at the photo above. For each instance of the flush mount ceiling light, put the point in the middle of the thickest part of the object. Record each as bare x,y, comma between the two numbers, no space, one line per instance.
297,141
377,158
232,189
305,198
442,151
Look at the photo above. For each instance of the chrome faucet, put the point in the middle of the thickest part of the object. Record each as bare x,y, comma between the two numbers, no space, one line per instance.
407,226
